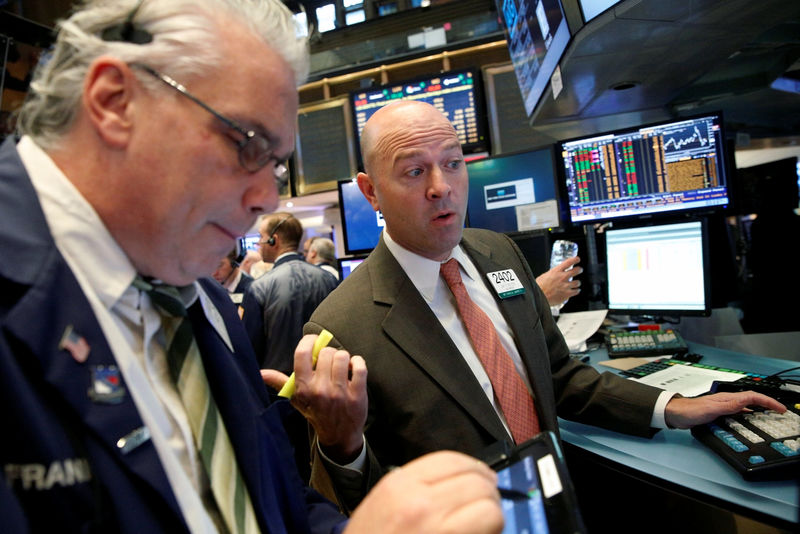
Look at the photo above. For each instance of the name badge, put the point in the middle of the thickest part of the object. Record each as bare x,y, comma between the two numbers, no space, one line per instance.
505,283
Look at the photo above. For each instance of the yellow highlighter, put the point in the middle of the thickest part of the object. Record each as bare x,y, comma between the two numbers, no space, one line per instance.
287,391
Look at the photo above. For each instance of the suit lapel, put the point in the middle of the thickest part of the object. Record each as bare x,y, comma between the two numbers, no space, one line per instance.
50,300
415,329
38,322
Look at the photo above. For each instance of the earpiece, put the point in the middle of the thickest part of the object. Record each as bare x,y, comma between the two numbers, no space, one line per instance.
127,32
271,240
240,252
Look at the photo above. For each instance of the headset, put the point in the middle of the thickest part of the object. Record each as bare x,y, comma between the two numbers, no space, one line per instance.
127,31
271,240
239,252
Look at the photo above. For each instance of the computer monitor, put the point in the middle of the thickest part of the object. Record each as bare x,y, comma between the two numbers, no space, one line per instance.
348,265
537,35
455,93
361,225
251,242
514,192
647,171
658,270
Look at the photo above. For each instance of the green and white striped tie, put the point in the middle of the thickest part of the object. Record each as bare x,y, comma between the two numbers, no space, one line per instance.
211,438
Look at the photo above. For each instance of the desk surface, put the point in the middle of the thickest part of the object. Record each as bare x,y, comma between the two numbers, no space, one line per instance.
677,457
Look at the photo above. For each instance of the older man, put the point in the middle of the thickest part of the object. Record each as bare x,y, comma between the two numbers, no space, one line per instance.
132,400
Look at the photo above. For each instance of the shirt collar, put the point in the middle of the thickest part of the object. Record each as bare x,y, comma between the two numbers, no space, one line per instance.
80,233
424,272
233,282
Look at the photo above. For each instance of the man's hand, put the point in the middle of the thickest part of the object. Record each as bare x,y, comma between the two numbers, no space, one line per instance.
686,413
436,493
332,396
558,284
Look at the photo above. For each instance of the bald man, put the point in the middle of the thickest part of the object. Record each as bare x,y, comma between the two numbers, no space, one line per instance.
428,388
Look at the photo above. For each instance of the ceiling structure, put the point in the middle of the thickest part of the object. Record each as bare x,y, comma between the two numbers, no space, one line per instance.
675,58
648,60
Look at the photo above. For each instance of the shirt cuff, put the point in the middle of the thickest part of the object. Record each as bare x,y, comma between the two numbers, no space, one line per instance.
659,419
356,465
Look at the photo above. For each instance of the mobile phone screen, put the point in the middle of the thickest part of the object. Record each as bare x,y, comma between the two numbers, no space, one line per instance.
523,515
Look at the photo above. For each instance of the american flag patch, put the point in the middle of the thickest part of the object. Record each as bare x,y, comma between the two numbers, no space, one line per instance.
75,344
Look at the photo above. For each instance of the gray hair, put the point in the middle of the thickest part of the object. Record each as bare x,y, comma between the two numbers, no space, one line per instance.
185,42
324,248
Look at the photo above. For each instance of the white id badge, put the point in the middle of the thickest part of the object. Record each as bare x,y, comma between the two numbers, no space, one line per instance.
505,283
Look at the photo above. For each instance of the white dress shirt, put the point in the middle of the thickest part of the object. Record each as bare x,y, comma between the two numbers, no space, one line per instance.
132,327
424,274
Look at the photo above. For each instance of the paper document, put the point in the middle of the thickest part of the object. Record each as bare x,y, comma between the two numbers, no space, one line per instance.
687,380
577,327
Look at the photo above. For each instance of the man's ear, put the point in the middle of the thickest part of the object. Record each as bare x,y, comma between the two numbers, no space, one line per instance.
368,189
108,99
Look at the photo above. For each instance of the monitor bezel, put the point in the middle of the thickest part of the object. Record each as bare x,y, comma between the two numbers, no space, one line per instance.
478,96
725,163
659,313
340,261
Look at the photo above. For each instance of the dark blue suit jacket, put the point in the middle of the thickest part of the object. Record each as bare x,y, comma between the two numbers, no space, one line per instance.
63,467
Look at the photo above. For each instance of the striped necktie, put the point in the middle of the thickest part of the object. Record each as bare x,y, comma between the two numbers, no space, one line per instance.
510,391
211,438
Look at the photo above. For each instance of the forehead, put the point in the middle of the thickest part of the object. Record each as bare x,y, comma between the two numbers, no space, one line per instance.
259,89
416,139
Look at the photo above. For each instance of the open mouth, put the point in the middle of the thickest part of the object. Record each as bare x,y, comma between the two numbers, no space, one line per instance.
442,217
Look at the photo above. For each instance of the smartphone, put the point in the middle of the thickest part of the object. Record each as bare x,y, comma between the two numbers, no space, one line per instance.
537,496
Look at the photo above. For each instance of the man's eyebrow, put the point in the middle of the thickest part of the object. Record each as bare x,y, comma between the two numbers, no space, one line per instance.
407,153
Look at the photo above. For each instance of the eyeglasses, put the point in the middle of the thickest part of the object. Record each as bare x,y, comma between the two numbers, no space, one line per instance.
255,150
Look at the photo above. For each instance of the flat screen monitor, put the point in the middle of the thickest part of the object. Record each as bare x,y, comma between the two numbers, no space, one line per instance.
658,270
361,224
514,192
348,265
251,242
537,35
455,93
658,169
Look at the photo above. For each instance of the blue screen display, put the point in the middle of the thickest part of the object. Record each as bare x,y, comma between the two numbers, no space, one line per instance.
513,192
361,224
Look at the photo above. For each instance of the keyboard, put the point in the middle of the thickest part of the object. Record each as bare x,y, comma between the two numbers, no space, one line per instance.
761,445
623,344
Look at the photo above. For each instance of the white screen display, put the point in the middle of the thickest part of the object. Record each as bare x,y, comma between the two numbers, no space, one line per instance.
656,268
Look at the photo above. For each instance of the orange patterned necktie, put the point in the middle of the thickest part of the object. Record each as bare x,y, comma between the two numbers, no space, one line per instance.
515,401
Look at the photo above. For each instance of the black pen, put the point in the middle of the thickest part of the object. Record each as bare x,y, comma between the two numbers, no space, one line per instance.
513,494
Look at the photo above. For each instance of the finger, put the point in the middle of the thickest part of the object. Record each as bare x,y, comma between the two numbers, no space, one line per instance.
463,487
764,401
340,368
274,379
325,364
358,374
569,262
302,356
478,516
445,464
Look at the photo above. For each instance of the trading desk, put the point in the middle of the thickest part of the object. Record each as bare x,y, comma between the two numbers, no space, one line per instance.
675,461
